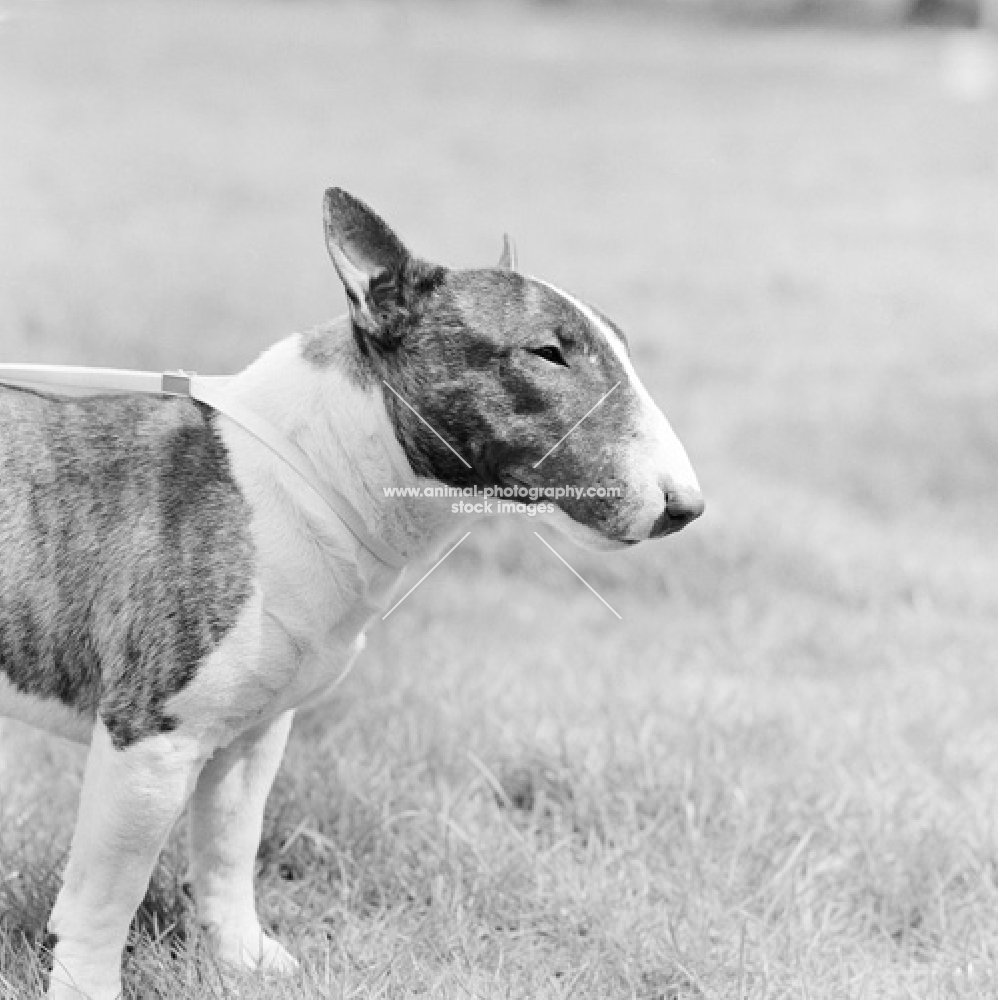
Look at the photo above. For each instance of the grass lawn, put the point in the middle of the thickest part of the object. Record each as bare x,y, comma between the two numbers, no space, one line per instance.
776,776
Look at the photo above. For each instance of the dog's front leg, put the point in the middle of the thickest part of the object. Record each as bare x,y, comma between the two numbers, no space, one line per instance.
131,799
226,820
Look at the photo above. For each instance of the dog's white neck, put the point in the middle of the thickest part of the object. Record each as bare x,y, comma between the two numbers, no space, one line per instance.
345,430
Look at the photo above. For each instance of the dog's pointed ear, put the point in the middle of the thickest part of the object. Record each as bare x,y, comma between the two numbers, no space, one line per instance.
507,262
369,258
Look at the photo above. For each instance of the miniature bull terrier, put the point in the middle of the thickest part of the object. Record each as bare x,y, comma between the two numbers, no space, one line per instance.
171,589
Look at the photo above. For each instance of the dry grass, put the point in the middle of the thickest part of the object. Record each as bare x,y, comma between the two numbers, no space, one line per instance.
776,777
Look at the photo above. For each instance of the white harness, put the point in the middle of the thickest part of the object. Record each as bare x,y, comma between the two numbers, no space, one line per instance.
70,380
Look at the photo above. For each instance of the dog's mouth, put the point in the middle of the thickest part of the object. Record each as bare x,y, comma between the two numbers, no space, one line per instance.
606,544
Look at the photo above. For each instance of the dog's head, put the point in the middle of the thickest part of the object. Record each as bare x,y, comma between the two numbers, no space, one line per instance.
496,379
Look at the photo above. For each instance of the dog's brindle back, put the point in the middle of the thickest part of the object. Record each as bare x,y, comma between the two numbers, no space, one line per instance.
126,552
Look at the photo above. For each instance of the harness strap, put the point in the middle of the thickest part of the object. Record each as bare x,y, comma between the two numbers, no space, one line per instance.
76,381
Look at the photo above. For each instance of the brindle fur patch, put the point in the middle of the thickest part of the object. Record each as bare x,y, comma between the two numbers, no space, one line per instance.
127,553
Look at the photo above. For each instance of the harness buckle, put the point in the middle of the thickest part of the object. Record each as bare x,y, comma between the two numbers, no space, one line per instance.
177,383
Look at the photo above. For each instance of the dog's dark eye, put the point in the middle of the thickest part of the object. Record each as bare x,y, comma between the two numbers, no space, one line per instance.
550,352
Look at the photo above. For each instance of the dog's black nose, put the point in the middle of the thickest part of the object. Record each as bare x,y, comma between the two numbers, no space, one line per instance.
682,505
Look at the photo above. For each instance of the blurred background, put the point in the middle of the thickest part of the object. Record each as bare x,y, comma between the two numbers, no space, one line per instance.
791,206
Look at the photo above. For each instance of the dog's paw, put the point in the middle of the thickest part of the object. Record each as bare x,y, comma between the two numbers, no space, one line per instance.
256,951
274,958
